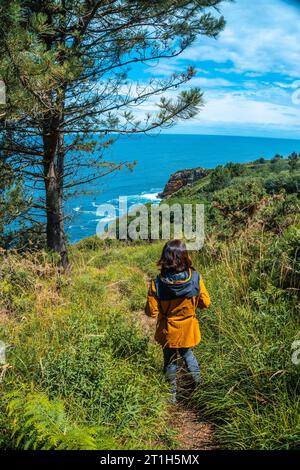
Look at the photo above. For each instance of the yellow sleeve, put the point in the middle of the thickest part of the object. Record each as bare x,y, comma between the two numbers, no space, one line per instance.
152,305
203,299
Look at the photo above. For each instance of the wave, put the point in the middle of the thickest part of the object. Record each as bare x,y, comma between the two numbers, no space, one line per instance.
103,219
131,198
88,212
78,209
143,197
107,217
150,196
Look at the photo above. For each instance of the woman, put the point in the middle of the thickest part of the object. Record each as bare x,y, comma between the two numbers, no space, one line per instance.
173,298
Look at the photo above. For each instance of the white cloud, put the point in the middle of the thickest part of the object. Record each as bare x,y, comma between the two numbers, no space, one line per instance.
233,108
260,37
235,113
242,94
254,108
240,107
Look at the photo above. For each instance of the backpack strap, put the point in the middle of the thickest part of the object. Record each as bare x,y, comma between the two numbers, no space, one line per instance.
196,282
156,283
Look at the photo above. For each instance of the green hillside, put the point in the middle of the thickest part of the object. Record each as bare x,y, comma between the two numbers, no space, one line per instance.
81,370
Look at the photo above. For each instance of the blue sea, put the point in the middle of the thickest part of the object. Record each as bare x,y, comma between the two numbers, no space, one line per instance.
158,156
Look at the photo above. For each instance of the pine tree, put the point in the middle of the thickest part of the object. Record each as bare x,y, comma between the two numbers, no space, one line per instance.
66,66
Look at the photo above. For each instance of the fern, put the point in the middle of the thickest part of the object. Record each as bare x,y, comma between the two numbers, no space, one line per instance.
35,422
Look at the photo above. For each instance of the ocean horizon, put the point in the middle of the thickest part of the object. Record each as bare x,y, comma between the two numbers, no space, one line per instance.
157,157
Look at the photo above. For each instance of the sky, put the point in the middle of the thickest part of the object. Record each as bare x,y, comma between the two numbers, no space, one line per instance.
250,75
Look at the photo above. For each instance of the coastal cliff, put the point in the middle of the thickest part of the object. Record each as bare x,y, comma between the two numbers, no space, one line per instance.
182,178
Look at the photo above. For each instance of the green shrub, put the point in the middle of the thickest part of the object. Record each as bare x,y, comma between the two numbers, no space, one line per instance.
220,177
260,161
235,169
275,184
238,202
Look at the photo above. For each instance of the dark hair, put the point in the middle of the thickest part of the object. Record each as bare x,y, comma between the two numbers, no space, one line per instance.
174,258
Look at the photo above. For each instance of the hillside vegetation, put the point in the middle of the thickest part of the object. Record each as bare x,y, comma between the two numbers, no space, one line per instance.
81,372
251,264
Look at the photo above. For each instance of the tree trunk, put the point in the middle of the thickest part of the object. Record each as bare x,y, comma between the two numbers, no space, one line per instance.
54,199
53,142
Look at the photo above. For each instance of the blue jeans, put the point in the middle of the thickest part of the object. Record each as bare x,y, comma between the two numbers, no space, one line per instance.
170,365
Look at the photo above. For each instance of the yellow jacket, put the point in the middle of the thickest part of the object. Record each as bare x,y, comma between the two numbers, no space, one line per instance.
177,325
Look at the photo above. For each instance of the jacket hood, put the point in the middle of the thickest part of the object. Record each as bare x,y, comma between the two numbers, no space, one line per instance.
179,285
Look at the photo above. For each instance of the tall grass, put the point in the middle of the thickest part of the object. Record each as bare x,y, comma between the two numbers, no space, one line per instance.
78,346
250,386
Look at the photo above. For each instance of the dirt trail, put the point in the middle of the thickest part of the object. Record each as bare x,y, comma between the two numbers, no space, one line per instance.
192,433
